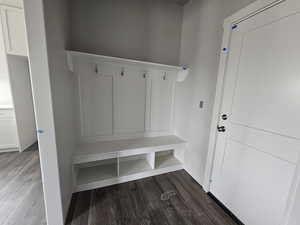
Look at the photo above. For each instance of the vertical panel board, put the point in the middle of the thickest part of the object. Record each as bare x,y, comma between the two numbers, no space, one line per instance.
96,98
129,101
161,100
151,159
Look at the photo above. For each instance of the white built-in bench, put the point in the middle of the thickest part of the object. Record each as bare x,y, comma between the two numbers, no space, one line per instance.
110,162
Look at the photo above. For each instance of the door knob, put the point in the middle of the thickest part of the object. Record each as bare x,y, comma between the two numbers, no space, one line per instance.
221,128
224,117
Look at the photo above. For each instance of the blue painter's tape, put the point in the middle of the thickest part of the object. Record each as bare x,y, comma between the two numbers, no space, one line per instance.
234,26
40,131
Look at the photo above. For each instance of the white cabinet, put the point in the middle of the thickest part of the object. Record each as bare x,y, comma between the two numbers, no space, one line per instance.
13,23
16,104
8,130
130,100
162,93
22,98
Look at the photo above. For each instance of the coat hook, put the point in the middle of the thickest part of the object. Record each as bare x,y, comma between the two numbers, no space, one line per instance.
122,73
165,76
144,75
96,68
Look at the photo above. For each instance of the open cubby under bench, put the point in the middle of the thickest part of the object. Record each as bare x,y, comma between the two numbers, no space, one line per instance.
106,163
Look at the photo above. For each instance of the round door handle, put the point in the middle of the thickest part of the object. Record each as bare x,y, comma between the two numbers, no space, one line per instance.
224,117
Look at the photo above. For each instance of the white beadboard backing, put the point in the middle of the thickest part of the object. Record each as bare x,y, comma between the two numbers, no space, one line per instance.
123,99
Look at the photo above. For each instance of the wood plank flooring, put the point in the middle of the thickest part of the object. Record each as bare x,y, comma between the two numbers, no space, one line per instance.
169,199
21,194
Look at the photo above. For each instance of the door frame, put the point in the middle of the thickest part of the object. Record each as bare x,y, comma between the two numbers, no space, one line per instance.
228,25
43,107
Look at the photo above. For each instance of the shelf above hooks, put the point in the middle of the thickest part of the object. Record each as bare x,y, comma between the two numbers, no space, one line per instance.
182,72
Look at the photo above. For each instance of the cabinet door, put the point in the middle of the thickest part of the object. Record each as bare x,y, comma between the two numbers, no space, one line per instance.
8,131
130,101
13,20
162,92
96,99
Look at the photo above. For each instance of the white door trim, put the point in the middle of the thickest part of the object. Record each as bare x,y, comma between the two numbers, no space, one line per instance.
244,14
41,86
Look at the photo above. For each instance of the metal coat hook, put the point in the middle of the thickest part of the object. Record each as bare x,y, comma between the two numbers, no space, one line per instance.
96,69
144,75
165,76
122,72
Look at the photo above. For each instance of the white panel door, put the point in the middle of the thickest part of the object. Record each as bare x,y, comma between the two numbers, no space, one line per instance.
129,101
15,31
96,99
162,93
258,144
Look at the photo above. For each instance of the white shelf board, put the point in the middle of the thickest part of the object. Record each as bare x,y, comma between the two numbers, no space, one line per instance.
89,175
89,152
123,60
130,167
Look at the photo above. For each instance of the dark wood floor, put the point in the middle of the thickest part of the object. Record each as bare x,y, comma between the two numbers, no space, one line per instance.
21,195
169,199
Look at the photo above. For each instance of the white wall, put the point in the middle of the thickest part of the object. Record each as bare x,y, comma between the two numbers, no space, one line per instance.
200,48
144,30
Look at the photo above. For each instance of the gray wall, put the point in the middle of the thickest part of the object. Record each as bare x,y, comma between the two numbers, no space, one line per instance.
145,30
200,46
62,88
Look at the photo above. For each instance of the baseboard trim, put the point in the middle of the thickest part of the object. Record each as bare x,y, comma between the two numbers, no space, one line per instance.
8,150
237,220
